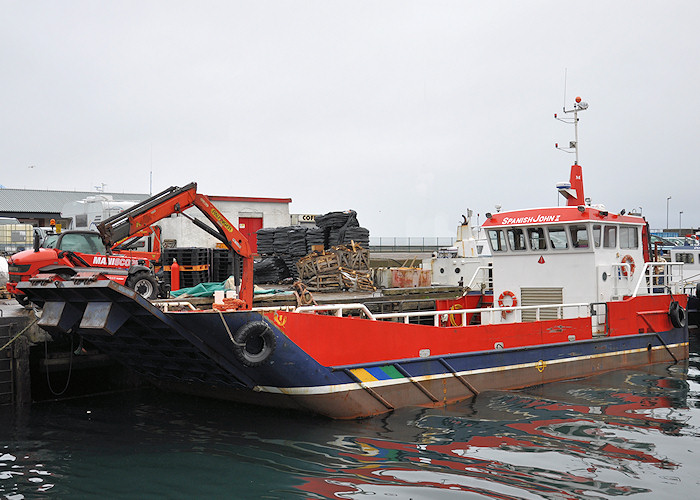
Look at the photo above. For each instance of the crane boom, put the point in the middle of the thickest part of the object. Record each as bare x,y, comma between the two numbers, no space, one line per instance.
176,200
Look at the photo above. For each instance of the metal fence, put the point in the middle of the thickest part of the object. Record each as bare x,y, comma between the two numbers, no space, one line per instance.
408,244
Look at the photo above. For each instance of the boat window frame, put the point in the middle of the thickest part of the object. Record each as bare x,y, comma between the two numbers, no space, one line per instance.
628,228
559,228
597,238
511,231
501,239
606,240
685,257
576,243
541,240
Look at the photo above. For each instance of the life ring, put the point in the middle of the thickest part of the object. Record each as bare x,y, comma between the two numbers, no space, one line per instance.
254,342
628,259
677,314
513,299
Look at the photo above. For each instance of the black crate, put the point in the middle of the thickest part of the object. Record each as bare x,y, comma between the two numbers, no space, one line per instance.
187,256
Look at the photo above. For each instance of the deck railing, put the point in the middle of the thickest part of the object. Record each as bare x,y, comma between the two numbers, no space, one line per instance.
493,314
409,244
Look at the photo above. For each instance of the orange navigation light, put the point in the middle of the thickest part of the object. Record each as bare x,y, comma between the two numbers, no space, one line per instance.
52,222
578,99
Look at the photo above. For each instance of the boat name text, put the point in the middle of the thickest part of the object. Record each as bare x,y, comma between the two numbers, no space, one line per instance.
531,219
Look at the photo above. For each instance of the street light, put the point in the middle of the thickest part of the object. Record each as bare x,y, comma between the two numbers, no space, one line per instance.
680,215
667,200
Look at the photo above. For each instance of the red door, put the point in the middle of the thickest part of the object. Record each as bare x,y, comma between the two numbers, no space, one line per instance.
248,226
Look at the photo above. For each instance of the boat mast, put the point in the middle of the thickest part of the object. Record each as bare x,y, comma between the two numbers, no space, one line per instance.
573,190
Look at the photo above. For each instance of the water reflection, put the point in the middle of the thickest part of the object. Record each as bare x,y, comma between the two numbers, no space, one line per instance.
619,434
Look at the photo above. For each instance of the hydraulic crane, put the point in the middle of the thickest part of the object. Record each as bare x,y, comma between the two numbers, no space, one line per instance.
176,200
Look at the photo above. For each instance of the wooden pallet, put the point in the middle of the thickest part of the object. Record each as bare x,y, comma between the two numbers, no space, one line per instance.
357,280
323,282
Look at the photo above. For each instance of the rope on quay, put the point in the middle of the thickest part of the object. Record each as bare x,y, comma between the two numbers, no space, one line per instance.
18,335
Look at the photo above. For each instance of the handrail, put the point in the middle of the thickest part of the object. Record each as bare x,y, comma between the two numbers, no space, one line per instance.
338,308
489,310
165,305
667,274
487,280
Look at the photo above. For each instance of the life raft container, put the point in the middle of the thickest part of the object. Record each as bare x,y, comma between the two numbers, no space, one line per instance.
254,343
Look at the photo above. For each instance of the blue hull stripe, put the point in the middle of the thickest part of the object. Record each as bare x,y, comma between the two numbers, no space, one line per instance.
329,389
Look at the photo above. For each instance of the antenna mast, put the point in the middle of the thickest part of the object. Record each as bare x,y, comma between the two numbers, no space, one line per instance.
573,145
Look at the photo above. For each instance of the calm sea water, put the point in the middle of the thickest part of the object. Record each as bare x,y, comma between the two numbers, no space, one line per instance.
632,433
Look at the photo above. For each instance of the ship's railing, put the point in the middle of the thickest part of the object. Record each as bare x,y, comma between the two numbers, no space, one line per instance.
337,309
168,306
481,276
658,278
489,315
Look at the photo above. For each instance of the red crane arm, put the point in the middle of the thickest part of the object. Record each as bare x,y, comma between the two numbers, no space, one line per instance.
176,200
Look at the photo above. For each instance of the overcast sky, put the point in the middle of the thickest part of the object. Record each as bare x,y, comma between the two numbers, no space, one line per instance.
408,112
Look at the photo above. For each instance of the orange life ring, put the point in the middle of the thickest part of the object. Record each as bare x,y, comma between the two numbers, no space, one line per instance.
510,294
628,259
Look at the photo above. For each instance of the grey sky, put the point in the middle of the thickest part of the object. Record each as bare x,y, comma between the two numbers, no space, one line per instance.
408,112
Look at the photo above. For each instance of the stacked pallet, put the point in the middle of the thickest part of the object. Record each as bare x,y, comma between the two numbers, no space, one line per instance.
343,267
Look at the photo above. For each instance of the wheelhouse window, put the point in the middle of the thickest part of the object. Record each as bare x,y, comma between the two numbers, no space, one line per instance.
537,239
610,236
497,239
516,239
629,237
596,235
579,236
557,238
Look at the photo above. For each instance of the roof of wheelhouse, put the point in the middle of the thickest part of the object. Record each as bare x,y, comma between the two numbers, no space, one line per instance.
557,215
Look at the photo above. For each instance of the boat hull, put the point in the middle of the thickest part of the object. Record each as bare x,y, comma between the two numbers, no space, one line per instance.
346,367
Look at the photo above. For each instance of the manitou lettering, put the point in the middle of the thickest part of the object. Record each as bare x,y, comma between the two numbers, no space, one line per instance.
531,219
103,260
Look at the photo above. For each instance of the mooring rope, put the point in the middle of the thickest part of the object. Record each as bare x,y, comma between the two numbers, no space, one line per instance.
18,335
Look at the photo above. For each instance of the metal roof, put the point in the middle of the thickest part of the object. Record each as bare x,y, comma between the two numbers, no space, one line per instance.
46,201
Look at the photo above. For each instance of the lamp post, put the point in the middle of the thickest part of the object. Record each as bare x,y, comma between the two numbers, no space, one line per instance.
680,225
667,201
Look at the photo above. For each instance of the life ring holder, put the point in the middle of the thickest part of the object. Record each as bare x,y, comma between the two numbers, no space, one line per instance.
254,343
513,299
628,259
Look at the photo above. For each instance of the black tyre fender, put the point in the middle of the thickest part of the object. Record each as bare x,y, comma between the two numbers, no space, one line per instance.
143,283
254,343
678,316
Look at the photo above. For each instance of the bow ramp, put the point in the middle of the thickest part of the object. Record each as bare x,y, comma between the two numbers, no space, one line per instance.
136,333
